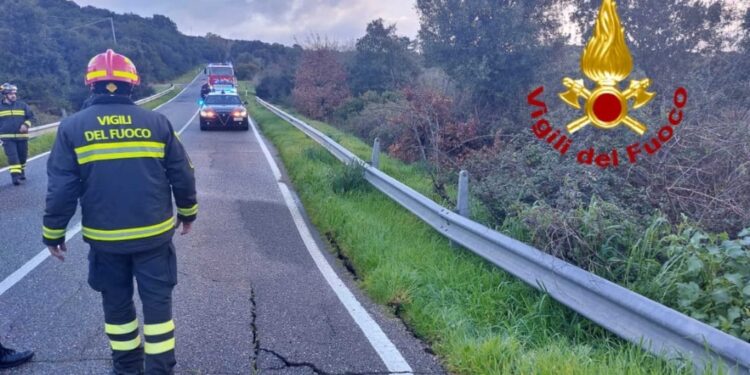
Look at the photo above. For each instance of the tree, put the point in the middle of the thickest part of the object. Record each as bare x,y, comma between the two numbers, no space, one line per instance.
663,36
383,60
490,48
319,83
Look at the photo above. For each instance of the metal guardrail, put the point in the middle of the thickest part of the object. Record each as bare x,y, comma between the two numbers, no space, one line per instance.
39,130
649,324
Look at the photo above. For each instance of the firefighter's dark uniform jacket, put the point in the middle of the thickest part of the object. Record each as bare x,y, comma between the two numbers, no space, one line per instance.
12,116
124,163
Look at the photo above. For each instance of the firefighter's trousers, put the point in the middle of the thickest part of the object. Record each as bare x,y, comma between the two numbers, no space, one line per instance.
17,151
155,271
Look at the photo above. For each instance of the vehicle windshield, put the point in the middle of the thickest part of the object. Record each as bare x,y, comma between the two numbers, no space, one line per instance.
223,100
220,71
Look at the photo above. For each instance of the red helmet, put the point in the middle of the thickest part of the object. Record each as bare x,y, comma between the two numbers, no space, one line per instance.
111,66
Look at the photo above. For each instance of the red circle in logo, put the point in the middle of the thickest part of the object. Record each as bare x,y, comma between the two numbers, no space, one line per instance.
607,107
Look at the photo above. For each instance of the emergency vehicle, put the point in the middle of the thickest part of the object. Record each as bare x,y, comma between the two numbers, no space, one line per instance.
220,74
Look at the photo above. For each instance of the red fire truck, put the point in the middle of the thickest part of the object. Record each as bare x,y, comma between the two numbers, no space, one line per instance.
220,74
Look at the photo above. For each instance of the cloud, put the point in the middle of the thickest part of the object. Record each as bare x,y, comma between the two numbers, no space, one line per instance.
280,21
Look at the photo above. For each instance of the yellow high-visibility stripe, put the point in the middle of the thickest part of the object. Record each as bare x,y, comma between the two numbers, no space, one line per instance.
158,329
53,234
120,73
116,145
121,329
96,74
128,233
6,112
159,347
6,136
18,112
125,346
119,150
188,211
122,155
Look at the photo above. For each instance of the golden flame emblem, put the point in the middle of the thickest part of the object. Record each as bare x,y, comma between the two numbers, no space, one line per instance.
606,60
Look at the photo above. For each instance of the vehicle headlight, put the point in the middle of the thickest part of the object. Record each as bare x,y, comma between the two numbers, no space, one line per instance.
240,113
207,113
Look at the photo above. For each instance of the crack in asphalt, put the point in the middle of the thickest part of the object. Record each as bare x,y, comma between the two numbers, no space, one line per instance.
316,370
254,329
289,364
69,297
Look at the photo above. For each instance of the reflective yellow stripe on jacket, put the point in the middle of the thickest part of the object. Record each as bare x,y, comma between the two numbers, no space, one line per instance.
128,233
53,234
188,211
119,150
9,136
13,112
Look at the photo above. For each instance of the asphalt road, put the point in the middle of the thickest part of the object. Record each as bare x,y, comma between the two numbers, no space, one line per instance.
258,291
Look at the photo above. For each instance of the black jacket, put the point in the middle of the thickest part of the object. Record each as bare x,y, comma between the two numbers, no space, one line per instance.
124,163
12,116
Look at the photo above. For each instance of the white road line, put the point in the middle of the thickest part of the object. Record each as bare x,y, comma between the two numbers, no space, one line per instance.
15,277
20,273
159,106
388,352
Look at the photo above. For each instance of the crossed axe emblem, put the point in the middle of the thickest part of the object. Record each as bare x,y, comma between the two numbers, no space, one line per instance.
606,106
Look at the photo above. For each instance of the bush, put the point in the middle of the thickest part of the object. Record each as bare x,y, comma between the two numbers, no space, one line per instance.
711,277
275,88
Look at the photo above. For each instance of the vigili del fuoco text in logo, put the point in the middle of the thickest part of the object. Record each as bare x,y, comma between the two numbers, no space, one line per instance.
606,60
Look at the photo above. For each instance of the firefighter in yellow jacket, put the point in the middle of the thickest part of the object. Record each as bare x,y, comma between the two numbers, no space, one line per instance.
123,163
15,121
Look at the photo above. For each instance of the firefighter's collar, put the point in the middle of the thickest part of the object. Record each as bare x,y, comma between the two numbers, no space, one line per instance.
111,99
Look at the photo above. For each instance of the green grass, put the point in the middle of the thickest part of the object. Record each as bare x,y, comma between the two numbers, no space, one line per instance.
477,318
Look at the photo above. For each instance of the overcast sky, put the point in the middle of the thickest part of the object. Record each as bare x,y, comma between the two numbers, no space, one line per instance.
273,20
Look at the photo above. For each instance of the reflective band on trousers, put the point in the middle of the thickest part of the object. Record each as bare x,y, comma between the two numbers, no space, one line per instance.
125,346
119,150
53,234
159,347
158,329
188,211
128,233
121,329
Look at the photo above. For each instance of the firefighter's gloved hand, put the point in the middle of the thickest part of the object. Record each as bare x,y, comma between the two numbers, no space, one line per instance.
185,226
58,251
24,129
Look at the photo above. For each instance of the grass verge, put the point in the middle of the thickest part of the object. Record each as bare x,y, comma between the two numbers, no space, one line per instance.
477,318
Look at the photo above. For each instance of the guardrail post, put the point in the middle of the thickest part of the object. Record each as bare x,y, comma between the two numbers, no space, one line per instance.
375,159
64,112
462,205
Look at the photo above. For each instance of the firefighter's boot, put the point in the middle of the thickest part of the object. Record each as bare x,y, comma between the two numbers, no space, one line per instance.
11,358
16,178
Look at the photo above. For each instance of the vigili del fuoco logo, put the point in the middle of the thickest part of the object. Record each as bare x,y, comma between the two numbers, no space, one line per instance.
606,61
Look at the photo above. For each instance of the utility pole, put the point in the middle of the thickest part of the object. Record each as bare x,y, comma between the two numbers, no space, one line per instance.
111,24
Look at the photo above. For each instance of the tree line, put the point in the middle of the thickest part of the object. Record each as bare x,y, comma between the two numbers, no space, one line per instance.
48,43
